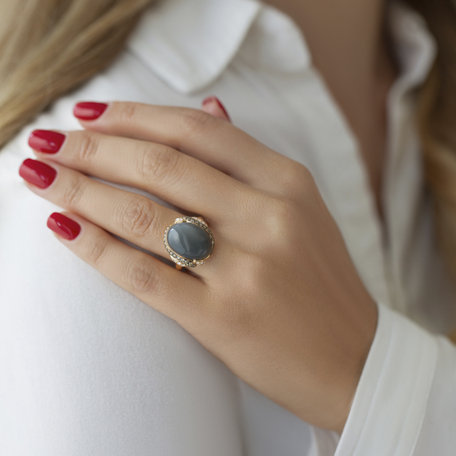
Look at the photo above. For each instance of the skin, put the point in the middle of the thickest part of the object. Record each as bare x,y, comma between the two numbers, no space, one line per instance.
279,301
351,49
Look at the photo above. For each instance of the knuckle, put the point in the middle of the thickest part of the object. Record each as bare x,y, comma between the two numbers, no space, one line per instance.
96,250
87,148
307,180
296,175
299,173
164,164
145,164
297,180
73,193
141,277
125,112
280,218
194,121
137,216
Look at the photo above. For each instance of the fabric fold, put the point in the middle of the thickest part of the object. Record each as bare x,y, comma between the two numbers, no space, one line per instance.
391,398
188,65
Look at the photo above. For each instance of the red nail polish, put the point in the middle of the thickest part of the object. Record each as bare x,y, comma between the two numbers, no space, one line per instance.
88,110
37,173
213,99
63,226
46,141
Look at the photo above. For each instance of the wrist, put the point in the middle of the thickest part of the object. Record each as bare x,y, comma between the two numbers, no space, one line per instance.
353,372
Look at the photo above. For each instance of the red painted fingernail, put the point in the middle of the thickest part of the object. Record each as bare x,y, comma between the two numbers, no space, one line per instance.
213,99
46,141
88,110
63,226
37,173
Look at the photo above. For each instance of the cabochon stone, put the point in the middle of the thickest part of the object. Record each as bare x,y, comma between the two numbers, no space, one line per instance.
189,240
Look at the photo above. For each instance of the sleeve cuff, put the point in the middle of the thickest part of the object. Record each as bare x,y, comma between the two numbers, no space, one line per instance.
390,400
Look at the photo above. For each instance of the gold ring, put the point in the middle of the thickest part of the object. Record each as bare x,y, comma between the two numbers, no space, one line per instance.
189,241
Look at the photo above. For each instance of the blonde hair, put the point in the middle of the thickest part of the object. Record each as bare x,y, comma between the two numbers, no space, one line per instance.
437,125
50,47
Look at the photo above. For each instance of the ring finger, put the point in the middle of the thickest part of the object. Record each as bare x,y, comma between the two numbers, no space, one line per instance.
133,217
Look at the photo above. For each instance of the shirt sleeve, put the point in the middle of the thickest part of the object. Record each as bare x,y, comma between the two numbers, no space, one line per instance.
405,400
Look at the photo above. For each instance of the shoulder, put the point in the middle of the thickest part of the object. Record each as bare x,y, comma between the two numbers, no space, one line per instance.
176,52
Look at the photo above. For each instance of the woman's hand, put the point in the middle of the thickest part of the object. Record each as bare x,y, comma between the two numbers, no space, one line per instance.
279,301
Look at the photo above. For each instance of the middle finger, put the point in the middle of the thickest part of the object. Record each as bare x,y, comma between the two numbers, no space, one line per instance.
180,179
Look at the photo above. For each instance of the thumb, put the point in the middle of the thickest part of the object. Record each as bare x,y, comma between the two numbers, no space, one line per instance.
214,106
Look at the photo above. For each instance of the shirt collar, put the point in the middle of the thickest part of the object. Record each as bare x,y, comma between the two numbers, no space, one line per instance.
415,46
188,43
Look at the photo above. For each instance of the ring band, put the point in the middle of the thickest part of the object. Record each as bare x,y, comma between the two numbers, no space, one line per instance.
189,241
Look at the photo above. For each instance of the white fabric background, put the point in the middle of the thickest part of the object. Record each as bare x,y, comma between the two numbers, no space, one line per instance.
87,369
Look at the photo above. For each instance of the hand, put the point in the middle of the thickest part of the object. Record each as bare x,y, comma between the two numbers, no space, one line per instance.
279,301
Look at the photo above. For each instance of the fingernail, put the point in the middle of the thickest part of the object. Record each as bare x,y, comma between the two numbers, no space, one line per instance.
37,173
88,110
46,141
213,99
63,226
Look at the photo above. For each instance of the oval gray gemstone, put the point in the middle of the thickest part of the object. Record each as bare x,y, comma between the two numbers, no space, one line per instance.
189,240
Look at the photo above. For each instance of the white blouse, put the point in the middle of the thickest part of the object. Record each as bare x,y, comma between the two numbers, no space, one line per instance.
88,369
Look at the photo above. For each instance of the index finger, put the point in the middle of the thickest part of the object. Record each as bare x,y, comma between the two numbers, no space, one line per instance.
193,131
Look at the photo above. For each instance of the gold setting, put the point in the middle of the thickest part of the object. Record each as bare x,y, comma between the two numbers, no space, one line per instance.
180,260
